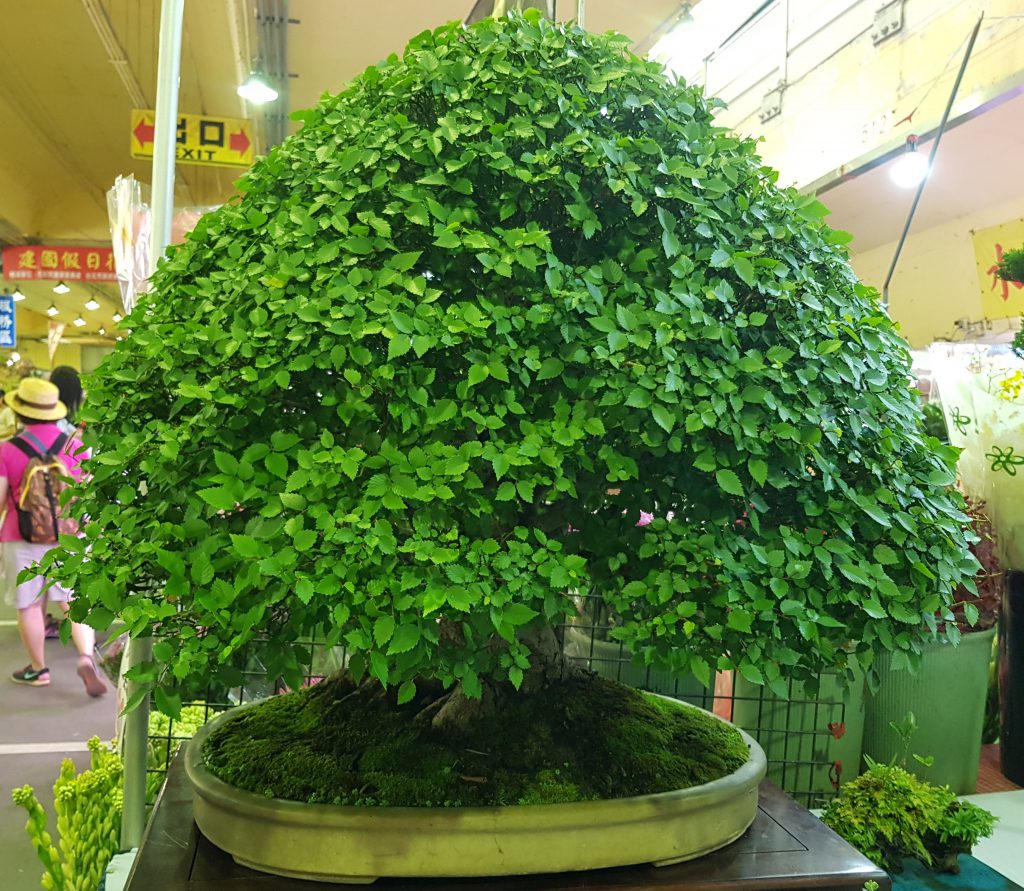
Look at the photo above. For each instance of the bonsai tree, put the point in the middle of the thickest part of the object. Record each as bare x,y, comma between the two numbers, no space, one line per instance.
412,389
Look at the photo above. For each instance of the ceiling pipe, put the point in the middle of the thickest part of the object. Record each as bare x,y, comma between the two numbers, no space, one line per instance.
931,161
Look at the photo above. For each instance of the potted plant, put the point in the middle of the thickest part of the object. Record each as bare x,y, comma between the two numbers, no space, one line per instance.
949,693
890,815
410,390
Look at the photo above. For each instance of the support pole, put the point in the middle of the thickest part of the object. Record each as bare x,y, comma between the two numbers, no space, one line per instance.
581,13
931,161
140,649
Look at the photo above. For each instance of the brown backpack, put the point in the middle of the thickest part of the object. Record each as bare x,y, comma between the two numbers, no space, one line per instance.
38,504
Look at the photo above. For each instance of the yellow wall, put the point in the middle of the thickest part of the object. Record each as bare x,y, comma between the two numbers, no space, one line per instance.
936,281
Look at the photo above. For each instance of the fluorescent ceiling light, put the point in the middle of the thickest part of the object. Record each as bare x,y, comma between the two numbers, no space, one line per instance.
17,295
60,288
52,311
79,322
257,90
92,303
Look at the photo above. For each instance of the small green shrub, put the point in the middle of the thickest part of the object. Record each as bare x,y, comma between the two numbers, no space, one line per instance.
88,807
165,738
1011,267
889,814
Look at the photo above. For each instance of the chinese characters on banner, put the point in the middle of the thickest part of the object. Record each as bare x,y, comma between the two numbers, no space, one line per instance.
201,139
8,325
999,299
70,264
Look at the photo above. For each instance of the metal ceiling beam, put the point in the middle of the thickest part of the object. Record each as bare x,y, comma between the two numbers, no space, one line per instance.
115,52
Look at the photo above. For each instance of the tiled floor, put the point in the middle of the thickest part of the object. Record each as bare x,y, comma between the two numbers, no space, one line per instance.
1003,851
39,726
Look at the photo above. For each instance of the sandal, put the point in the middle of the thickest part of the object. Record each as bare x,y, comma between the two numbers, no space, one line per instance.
94,685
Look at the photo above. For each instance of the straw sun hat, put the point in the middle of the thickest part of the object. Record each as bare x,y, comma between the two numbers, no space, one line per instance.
37,399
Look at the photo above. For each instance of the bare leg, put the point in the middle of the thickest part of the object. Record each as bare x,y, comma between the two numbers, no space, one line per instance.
85,639
31,624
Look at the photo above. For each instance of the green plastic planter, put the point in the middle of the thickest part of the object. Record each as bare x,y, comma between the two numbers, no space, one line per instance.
947,697
811,742
609,659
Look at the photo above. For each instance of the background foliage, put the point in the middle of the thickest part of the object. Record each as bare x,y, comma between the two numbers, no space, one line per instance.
492,301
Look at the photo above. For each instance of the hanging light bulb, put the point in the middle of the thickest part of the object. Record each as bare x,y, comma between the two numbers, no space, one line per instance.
79,322
52,310
256,89
911,167
16,294
15,357
102,332
92,303
61,288
117,317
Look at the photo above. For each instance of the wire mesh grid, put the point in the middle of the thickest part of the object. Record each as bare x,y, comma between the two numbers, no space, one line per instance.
804,737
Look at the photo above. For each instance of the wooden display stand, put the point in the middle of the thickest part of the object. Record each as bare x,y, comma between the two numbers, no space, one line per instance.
787,847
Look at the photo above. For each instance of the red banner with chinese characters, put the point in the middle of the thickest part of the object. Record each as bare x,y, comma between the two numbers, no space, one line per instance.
71,264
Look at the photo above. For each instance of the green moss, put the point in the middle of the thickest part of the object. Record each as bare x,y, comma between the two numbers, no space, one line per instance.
587,739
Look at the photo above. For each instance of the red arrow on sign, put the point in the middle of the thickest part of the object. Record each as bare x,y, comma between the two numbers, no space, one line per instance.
144,132
239,142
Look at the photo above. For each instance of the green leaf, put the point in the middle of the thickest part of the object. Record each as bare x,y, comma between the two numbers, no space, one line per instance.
550,368
245,546
383,629
758,470
518,614
729,482
478,374
663,417
398,346
404,639
406,692
304,539
219,498
744,269
751,672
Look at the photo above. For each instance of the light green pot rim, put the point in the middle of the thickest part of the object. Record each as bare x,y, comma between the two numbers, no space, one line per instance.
567,815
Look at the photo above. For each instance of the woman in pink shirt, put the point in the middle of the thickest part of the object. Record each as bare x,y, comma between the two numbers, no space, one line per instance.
37,405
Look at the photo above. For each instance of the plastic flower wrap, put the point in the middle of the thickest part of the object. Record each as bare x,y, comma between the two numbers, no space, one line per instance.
982,394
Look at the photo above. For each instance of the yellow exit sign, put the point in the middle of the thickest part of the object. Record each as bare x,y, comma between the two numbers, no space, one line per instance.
202,139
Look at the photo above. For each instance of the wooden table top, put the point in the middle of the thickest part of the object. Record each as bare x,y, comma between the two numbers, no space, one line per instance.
787,847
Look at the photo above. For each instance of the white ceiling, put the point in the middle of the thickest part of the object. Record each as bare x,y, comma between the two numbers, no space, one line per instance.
980,163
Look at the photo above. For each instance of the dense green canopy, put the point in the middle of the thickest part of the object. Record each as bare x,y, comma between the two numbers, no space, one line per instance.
488,304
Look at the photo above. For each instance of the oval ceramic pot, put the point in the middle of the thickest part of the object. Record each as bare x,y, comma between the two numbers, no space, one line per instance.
333,843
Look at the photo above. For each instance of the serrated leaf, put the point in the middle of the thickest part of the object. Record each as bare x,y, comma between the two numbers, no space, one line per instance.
383,628
245,545
406,692
304,539
758,470
518,614
218,497
304,590
729,482
477,374
663,417
404,639
550,368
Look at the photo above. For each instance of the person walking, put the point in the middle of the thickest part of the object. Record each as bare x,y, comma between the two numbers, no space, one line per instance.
25,483
69,384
